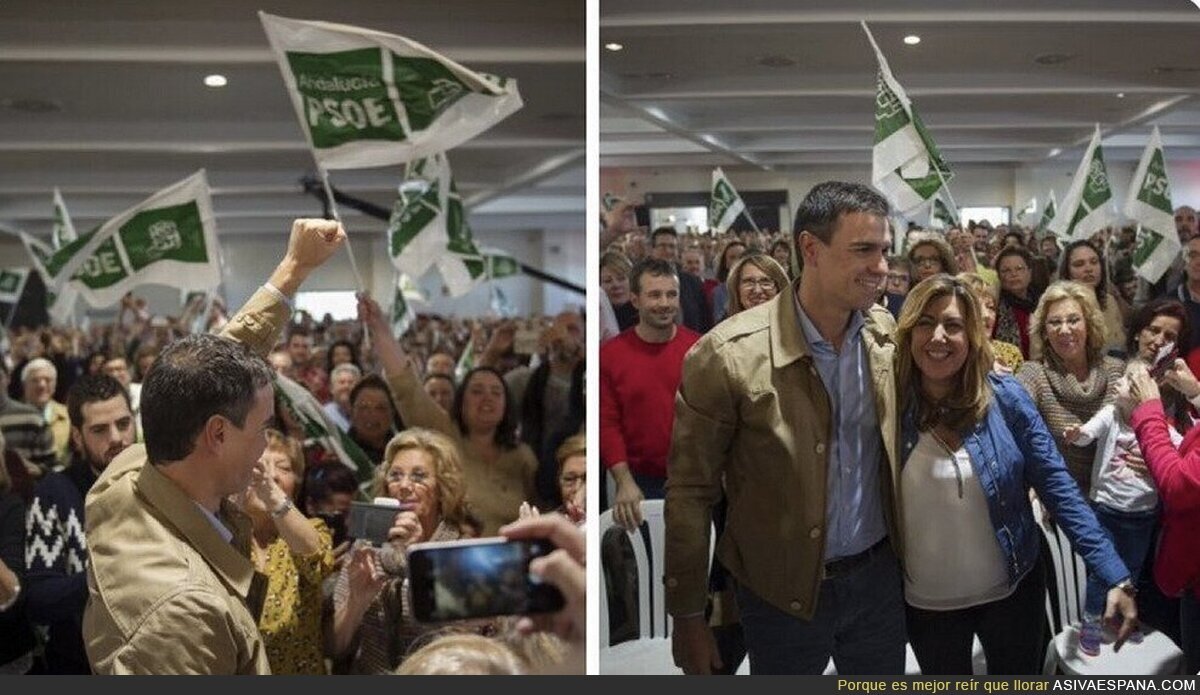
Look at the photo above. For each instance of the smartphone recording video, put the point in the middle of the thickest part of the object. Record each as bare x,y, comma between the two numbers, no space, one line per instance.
477,579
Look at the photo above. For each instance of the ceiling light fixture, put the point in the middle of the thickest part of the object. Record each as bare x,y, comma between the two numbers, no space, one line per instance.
613,46
912,39
215,80
1120,95
1055,152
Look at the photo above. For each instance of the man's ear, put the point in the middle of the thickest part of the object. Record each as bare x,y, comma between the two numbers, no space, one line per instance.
214,434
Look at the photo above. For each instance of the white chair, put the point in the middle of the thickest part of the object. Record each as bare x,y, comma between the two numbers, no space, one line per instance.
650,653
1156,655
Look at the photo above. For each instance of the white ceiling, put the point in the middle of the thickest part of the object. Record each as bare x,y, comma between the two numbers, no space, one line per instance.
780,84
129,113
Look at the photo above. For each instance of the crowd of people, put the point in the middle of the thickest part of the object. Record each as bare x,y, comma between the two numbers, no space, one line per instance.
876,436
167,504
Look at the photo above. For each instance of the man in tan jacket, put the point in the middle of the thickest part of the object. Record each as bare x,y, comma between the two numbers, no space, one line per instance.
790,408
171,586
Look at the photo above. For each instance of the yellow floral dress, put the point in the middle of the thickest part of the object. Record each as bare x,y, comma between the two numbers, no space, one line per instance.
1007,354
291,618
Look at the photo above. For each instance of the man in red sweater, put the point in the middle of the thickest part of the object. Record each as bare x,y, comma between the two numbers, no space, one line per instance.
639,375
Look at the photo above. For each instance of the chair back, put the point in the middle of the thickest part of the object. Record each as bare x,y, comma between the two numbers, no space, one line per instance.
1068,583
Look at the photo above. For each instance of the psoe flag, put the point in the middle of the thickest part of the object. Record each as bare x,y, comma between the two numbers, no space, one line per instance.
64,230
12,284
369,99
906,165
1085,209
1149,204
170,239
724,204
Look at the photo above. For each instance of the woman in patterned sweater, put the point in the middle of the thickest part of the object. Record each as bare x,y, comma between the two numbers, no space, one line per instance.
373,622
1074,379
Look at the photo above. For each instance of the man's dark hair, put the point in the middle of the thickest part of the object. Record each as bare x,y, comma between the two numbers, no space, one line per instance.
92,389
820,210
650,266
371,381
660,231
296,330
506,432
195,378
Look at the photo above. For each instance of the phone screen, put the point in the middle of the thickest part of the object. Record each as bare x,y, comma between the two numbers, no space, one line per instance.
473,579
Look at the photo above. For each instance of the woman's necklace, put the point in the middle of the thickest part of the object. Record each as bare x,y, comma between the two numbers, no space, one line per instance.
953,452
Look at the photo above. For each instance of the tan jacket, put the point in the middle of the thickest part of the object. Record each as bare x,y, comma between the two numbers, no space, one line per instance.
752,411
166,594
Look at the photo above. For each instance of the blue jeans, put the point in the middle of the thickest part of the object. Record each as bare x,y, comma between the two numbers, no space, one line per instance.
1132,534
859,621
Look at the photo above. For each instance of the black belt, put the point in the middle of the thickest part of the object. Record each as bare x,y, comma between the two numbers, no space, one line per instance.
845,565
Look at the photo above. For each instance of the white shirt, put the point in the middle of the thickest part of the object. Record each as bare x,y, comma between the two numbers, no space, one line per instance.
952,557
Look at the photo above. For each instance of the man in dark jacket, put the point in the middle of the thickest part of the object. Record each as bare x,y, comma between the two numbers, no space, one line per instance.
56,554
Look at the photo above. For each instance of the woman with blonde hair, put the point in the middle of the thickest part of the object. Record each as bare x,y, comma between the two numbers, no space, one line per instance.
972,446
614,280
294,552
754,279
373,620
499,468
1070,377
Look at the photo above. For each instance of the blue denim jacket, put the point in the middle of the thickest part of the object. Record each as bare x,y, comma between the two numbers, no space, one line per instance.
1011,451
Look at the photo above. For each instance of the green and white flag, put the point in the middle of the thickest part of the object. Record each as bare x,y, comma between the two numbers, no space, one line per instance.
418,228
367,99
39,253
942,214
170,238
403,314
724,205
500,264
64,230
500,304
1086,207
320,430
12,284
1048,214
1028,211
1149,204
428,226
906,165
466,361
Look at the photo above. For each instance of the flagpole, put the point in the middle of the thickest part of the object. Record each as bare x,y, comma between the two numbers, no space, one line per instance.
333,208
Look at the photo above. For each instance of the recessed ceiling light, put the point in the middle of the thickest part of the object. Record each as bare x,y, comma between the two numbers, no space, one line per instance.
215,80
1120,95
613,46
1055,152
912,39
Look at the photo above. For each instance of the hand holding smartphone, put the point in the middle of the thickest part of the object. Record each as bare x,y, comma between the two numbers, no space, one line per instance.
457,580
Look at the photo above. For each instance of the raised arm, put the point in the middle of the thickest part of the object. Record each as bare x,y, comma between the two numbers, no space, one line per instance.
260,322
416,408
